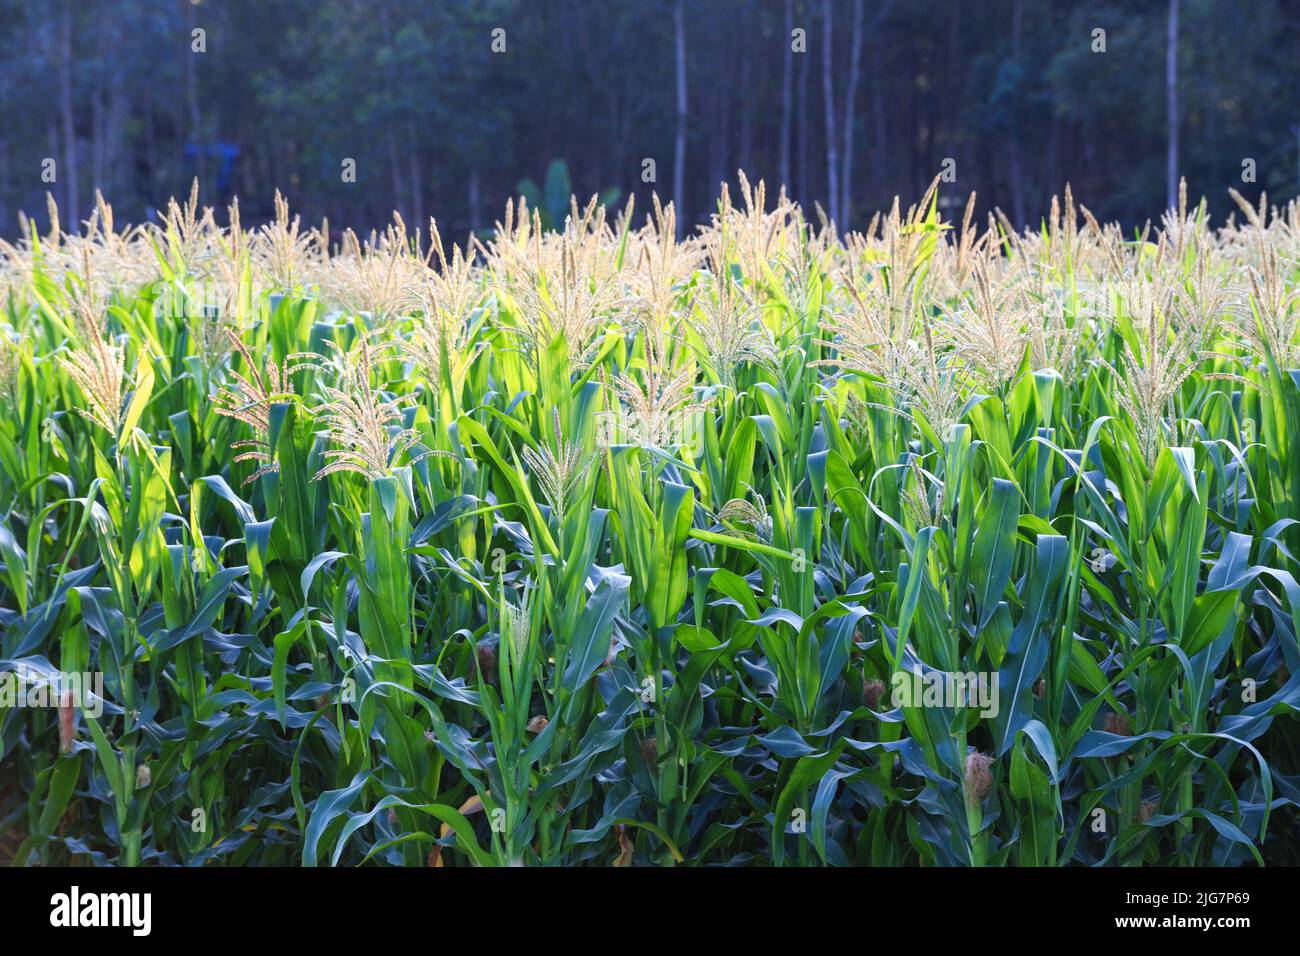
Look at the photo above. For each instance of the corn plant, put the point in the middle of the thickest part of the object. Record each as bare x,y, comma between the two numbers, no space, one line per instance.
925,545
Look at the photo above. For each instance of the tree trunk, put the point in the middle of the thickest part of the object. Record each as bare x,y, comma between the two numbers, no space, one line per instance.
828,95
1171,94
4,182
113,134
192,89
417,175
97,115
473,198
399,187
881,137
96,140
720,130
151,147
72,215
850,100
679,150
747,105
803,129
1295,131
787,77
1017,166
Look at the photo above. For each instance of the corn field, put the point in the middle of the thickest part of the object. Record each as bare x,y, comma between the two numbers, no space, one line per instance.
935,544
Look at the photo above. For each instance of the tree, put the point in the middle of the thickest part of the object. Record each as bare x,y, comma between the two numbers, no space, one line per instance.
850,100
69,124
1171,98
679,149
828,99
441,124
787,76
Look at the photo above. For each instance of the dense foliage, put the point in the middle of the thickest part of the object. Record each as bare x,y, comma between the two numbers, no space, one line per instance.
592,545
1016,92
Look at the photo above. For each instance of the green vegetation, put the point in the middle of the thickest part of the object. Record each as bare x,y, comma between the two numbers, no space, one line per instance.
597,546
